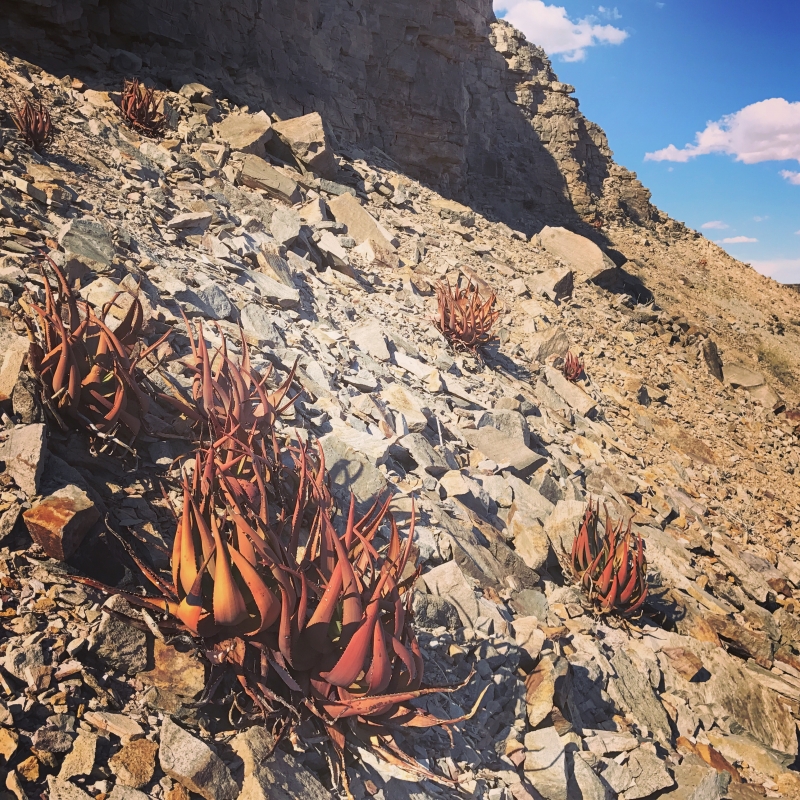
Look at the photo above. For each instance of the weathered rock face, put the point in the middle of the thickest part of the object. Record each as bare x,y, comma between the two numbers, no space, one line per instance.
452,95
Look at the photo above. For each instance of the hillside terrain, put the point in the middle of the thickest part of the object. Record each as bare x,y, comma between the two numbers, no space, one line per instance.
310,200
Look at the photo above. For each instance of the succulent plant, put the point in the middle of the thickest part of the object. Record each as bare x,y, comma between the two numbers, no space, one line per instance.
139,108
33,122
87,371
464,317
610,563
572,368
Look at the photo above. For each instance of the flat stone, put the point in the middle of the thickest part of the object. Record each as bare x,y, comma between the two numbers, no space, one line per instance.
401,401
351,471
306,137
432,611
545,763
192,763
18,660
120,792
368,337
504,450
25,452
577,252
631,687
59,523
87,239
602,742
739,376
285,225
80,760
555,283
271,774
562,525
448,582
648,773
120,725
361,225
213,296
177,675
260,323
274,292
529,636
583,783
119,645
745,749
695,782
509,422
539,690
135,763
277,268
547,342
258,174
571,393
15,351
194,220
246,133
64,790
426,458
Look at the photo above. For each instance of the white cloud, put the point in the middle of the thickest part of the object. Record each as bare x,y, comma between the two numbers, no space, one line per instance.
760,219
792,177
783,270
764,131
609,13
714,225
738,240
551,28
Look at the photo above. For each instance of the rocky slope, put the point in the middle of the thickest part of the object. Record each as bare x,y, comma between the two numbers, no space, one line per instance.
685,422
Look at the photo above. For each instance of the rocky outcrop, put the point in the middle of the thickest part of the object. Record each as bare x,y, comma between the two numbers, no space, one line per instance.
456,98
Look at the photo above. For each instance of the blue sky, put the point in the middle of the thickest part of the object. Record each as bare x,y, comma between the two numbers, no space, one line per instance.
701,98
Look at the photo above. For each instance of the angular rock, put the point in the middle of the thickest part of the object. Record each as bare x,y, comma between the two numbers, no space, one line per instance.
12,357
547,342
741,377
25,452
349,471
540,688
120,725
447,581
88,240
80,760
420,449
274,292
562,525
648,773
401,401
545,763
571,393
306,138
285,225
196,221
120,645
246,133
555,283
583,783
64,790
135,763
120,792
504,450
259,323
368,337
577,252
529,636
271,774
712,358
432,611
509,422
192,763
59,523
632,687
695,782
216,299
258,174
361,225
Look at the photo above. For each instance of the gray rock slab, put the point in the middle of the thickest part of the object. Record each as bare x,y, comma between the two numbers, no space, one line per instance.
258,174
274,292
261,324
648,773
571,393
577,252
192,763
509,422
246,133
120,645
25,452
87,239
421,450
545,763
448,582
351,471
272,774
504,450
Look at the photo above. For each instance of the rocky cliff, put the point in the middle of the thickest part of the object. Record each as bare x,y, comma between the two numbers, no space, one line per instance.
454,97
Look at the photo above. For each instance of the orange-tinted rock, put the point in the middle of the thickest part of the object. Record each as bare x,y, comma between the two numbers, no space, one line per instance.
59,523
